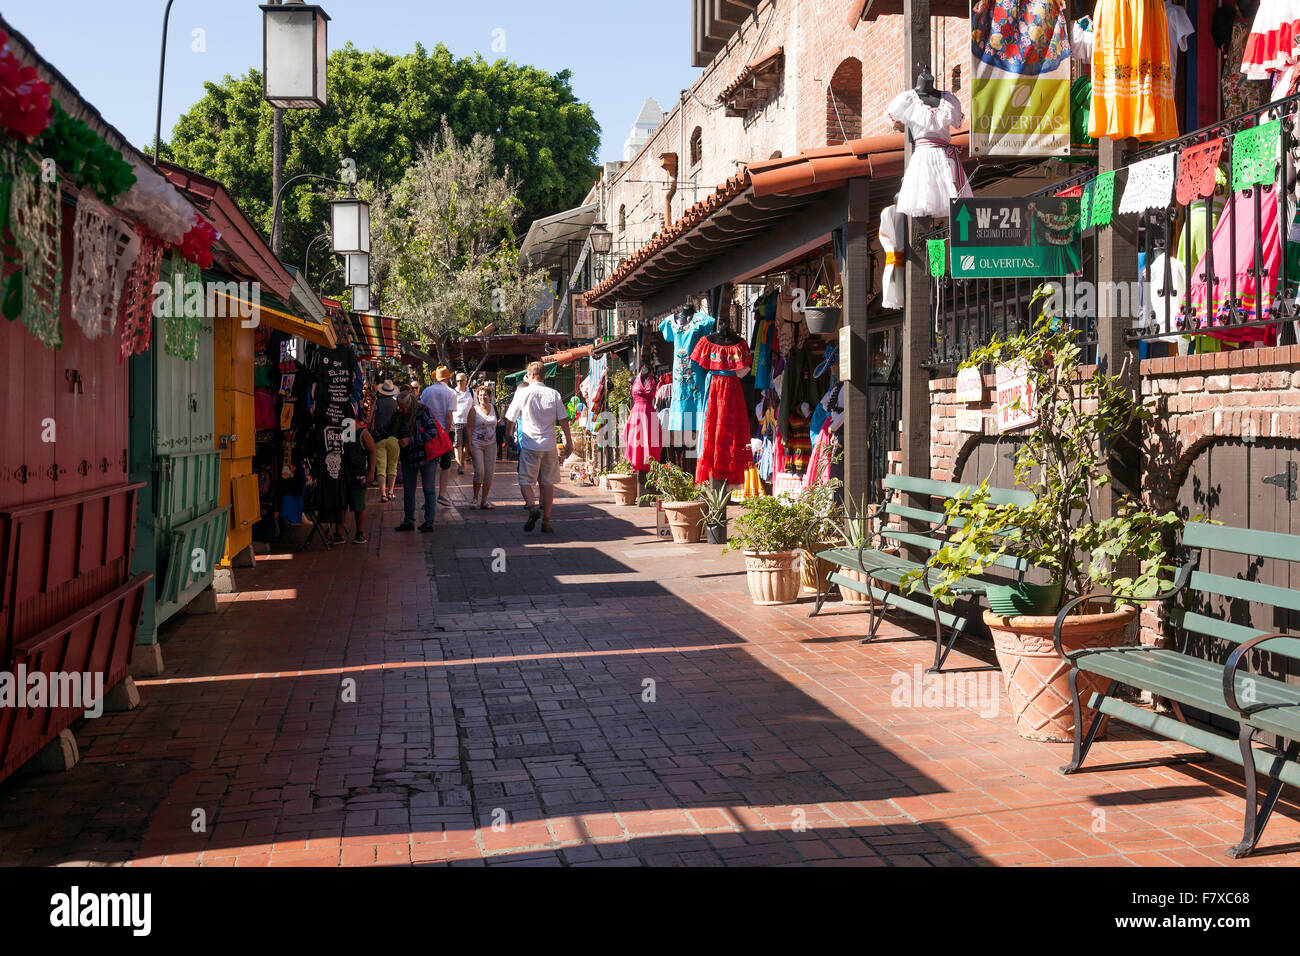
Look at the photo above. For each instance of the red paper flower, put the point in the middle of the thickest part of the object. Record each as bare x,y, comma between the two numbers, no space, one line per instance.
196,245
26,108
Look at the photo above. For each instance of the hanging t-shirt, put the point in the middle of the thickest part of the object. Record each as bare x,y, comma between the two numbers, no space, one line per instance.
335,382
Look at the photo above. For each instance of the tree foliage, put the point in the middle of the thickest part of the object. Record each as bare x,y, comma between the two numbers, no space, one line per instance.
382,110
443,255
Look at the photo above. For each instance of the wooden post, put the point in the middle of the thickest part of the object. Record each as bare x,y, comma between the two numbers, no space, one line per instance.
1117,263
853,273
916,310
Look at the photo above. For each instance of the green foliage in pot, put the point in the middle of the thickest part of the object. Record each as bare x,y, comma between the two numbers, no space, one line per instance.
853,522
769,523
715,498
670,483
1078,418
822,510
621,467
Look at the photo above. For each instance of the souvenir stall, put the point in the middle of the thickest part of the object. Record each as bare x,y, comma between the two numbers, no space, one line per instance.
87,229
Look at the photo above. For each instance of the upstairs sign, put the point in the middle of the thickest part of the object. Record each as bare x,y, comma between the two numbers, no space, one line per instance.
1015,238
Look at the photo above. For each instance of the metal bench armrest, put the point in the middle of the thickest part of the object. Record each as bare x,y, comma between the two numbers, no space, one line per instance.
1180,585
1233,662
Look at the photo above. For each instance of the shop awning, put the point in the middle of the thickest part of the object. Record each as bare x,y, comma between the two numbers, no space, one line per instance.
750,206
547,242
375,336
274,313
514,378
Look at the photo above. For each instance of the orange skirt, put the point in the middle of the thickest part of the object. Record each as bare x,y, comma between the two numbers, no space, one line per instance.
1132,83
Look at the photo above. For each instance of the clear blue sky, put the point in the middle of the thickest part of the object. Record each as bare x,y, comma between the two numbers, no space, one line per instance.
619,52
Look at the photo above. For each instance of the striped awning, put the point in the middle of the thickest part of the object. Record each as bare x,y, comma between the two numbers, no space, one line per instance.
373,336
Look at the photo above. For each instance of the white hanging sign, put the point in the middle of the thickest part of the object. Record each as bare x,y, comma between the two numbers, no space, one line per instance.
970,385
1016,398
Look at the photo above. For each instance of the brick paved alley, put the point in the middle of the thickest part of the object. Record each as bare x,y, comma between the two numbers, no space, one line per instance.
515,698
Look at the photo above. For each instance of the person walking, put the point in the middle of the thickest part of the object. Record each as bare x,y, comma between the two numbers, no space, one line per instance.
481,424
387,451
359,459
440,399
535,411
459,437
414,426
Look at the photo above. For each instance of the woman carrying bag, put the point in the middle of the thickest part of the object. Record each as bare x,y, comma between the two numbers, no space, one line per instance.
481,427
422,441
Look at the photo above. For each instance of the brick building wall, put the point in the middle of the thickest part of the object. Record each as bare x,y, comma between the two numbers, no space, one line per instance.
796,116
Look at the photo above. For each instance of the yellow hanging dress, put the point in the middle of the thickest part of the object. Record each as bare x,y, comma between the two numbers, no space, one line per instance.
1132,83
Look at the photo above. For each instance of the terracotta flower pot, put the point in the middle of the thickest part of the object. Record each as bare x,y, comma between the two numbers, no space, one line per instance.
1038,679
810,568
624,488
772,576
685,520
854,597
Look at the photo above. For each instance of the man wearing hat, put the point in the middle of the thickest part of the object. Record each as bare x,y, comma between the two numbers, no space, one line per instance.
440,399
386,447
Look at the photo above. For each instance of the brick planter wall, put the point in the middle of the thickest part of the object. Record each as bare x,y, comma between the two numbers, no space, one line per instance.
1195,400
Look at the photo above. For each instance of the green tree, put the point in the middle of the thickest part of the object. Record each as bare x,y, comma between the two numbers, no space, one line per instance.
443,255
382,109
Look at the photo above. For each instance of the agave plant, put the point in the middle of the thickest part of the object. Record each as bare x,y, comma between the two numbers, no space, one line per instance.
715,498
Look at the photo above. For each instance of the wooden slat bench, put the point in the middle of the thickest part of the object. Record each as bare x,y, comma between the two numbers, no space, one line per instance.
876,559
1255,703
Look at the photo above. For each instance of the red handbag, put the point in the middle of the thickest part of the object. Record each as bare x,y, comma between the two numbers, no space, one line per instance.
439,445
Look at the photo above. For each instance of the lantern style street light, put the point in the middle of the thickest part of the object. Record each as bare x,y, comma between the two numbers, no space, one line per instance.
294,53
601,239
360,298
350,225
357,268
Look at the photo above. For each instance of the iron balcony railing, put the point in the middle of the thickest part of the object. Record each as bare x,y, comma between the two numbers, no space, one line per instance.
1228,312
966,313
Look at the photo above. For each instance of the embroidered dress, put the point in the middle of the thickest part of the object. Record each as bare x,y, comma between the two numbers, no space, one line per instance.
1025,37
935,174
688,381
1241,94
641,433
1132,84
724,452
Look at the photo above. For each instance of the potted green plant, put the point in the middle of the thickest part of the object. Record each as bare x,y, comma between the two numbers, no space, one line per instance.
715,498
622,481
822,512
769,532
1061,462
679,496
822,313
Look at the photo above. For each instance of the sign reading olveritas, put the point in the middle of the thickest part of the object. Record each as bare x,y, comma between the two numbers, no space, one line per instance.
1015,238
1016,400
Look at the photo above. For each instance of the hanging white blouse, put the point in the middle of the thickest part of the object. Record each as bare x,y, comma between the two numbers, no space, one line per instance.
935,175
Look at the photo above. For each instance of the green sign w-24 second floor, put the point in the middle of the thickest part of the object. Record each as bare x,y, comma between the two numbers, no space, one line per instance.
1015,238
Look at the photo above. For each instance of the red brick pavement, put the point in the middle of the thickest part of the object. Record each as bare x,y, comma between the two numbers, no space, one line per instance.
404,702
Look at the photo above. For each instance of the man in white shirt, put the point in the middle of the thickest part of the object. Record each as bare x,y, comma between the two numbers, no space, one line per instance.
440,399
534,412
464,402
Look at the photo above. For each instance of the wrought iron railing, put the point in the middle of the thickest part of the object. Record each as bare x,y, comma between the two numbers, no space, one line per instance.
883,436
1229,312
966,313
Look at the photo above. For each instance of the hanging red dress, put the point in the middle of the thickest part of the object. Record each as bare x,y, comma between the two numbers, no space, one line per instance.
724,452
641,433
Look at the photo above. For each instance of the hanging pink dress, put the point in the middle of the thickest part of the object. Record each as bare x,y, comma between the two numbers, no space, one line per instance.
641,433
1247,293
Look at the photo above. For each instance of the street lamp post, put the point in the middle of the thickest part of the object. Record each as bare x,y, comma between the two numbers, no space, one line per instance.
359,223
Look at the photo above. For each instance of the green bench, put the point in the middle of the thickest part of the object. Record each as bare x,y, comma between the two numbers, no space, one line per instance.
875,559
1255,703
